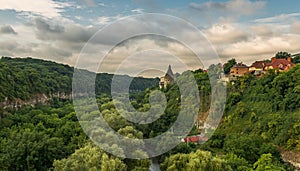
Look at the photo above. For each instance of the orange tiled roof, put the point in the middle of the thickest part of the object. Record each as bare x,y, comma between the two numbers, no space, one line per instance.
280,64
195,139
259,64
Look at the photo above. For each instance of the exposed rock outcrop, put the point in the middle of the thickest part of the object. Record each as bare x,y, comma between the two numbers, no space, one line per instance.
37,99
292,158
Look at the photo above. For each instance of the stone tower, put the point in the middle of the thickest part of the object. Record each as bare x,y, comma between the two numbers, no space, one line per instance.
167,79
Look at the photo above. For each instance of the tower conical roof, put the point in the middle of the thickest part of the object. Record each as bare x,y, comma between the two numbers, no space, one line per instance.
170,72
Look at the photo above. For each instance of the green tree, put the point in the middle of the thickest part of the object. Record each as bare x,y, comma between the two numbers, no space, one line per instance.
29,149
228,65
90,157
236,163
264,163
296,59
196,161
245,146
282,55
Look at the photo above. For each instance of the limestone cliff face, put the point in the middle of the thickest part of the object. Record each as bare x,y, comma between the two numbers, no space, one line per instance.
37,99
293,158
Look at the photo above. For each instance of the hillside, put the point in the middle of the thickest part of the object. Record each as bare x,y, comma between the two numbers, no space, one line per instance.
259,130
25,79
262,116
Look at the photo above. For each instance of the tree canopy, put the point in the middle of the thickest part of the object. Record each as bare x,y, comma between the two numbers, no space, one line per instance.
229,64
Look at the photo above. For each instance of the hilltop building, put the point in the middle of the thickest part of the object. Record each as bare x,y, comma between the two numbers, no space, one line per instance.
261,67
258,67
280,64
238,70
168,79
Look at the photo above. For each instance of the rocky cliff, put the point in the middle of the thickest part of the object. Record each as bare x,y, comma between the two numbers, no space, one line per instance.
37,99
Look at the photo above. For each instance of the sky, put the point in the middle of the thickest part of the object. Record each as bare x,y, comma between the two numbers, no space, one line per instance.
58,30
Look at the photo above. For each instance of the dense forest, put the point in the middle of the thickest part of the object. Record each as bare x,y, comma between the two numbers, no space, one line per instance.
23,78
261,123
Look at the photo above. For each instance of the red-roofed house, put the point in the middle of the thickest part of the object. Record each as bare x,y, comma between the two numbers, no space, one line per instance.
195,139
280,64
258,67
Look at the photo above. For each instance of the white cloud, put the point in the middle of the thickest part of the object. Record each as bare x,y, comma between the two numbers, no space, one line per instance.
259,48
250,41
278,18
78,17
225,33
46,8
137,10
295,27
104,20
7,29
239,7
263,30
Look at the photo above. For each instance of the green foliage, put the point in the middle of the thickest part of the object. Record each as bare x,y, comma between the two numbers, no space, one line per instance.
266,163
90,157
23,78
262,115
32,138
195,161
247,147
296,59
228,65
236,163
282,55
34,148
294,139
104,80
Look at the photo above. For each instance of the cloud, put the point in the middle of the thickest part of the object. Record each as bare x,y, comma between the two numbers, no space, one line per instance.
43,26
67,32
7,29
104,20
53,51
239,7
149,51
278,18
61,40
47,39
14,48
225,33
259,48
9,45
46,8
250,41
64,41
141,27
263,30
137,10
295,27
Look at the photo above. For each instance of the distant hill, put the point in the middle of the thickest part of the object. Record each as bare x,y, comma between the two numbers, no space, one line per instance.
24,78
